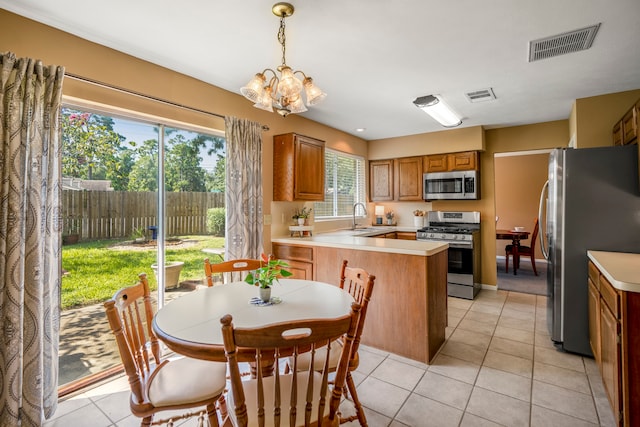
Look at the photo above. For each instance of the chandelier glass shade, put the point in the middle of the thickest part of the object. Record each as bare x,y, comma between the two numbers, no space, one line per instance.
283,90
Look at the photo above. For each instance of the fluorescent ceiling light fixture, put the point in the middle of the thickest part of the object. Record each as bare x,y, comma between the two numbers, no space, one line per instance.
436,108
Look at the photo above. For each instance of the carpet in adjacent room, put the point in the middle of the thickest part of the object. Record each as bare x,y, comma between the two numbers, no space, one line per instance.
525,281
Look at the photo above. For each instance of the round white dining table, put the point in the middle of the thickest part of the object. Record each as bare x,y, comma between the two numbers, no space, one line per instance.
190,325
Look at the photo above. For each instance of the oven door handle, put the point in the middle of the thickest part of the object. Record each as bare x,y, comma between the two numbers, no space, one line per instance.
460,245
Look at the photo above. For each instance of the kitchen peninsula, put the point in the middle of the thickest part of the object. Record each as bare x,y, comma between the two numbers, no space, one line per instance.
407,314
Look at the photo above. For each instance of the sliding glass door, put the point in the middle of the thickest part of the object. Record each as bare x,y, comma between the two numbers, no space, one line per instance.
137,195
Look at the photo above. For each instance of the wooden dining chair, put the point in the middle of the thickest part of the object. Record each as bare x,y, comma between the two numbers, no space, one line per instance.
160,385
359,284
526,251
297,398
229,270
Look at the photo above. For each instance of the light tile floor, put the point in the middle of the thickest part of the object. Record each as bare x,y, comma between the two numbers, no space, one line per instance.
497,367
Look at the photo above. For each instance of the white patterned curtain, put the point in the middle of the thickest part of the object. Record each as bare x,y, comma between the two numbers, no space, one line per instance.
30,255
243,198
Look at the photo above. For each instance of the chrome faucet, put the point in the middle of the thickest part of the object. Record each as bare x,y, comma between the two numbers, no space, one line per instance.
355,205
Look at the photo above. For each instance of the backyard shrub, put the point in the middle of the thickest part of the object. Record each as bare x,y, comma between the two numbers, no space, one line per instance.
216,221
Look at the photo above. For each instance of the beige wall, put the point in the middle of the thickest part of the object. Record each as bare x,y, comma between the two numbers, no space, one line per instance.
448,141
27,38
518,181
596,116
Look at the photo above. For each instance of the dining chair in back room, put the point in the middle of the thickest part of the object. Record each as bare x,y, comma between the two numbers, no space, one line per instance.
526,251
160,385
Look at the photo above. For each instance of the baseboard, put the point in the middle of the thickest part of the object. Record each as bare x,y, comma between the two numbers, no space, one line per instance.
538,261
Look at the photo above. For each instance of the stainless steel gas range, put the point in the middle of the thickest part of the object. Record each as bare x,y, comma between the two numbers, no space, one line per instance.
461,230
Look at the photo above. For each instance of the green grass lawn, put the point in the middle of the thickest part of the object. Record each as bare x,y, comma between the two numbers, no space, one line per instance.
96,270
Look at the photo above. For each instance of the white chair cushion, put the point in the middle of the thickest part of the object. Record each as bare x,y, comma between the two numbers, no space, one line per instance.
321,354
187,380
285,392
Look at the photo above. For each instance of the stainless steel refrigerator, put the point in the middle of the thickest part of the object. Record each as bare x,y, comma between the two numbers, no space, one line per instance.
592,202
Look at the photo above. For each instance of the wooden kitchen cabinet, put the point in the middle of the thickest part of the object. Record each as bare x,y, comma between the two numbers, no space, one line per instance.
629,126
610,356
436,163
381,180
406,235
298,168
466,161
617,134
614,333
300,259
396,180
409,179
463,161
594,312
625,131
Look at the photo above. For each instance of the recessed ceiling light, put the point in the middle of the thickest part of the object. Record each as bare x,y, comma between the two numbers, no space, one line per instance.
361,129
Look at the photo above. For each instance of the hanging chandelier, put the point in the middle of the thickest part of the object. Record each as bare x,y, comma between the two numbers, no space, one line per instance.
282,92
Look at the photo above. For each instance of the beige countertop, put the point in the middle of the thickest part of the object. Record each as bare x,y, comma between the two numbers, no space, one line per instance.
363,239
621,269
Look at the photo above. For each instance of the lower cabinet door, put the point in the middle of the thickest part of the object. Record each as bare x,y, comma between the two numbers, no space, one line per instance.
300,270
594,320
610,356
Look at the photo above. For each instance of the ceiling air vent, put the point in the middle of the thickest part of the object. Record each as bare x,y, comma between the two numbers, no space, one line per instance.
572,41
480,95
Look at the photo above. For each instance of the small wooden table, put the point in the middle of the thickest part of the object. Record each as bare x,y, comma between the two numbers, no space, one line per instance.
190,325
515,237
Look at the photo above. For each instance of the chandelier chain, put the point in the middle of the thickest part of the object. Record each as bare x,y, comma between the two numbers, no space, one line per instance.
282,38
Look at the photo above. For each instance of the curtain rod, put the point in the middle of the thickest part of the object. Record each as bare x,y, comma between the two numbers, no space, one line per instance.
142,95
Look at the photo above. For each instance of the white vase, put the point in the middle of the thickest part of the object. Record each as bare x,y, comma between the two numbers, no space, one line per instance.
265,294
418,221
300,221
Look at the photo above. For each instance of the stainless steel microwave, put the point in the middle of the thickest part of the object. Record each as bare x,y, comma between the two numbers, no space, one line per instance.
463,185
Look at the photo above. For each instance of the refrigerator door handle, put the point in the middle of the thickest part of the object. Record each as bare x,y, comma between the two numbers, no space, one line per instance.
545,250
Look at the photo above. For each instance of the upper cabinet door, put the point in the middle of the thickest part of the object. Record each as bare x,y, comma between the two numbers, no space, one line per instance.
381,180
463,161
617,133
466,161
436,163
629,126
298,168
409,179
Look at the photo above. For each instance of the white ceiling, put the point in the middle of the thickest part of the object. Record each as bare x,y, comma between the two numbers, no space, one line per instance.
374,60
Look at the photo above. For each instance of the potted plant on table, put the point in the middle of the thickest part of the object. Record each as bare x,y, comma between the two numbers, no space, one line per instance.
263,277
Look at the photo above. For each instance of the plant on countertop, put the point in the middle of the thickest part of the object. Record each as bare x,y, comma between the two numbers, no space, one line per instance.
389,214
418,212
302,213
271,270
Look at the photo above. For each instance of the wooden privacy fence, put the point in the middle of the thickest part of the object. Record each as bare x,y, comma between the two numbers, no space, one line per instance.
117,214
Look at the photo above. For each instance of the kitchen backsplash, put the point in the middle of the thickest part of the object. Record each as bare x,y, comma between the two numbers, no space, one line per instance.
281,213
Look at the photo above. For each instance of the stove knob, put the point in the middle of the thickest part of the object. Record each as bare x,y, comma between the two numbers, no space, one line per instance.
455,237
443,236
